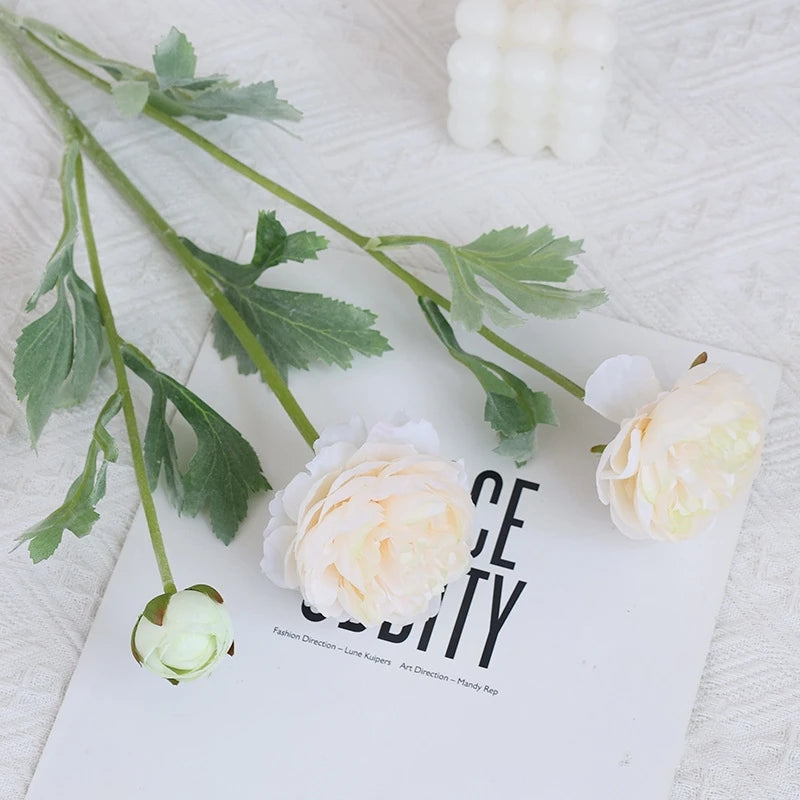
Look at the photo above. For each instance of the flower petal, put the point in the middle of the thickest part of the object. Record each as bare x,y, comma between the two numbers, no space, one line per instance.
295,493
353,431
620,386
418,432
279,563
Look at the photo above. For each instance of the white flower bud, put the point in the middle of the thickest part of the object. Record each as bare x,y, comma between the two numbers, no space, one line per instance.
182,636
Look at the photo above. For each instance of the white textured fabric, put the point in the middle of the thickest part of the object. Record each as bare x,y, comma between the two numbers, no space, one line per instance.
691,216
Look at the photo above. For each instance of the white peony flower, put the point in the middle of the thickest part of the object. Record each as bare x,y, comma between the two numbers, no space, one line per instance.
182,636
681,456
375,527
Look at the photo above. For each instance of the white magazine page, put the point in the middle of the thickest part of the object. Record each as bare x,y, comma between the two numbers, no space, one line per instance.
564,666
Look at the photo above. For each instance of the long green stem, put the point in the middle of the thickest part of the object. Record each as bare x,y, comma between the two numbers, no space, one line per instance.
419,287
114,345
131,194
172,241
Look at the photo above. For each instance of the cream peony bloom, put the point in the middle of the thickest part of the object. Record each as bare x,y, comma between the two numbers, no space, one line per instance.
375,527
182,636
681,456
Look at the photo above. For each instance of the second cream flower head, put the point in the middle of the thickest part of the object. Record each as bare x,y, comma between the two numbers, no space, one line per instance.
680,456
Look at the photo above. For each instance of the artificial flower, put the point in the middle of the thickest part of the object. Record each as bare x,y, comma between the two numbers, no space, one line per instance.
681,456
374,527
181,636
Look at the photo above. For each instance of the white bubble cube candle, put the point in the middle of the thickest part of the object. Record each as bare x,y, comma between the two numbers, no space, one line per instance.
531,73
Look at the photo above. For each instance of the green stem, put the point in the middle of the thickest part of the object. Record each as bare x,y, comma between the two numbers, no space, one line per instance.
80,71
73,127
114,345
26,69
168,236
419,287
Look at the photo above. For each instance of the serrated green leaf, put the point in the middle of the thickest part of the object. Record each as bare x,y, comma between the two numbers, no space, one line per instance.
535,256
519,447
174,59
230,272
294,328
224,470
273,246
543,300
77,513
303,245
464,289
42,361
195,85
518,264
174,88
56,361
160,454
61,261
258,100
542,407
505,414
130,96
270,241
178,91
298,328
89,344
512,409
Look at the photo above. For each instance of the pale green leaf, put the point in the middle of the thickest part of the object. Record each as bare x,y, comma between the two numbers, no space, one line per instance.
130,96
273,246
56,362
518,446
174,59
42,361
224,470
270,241
519,264
61,261
89,344
298,328
512,409
160,453
294,328
535,256
57,357
543,300
258,100
77,513
180,92
303,245
174,88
